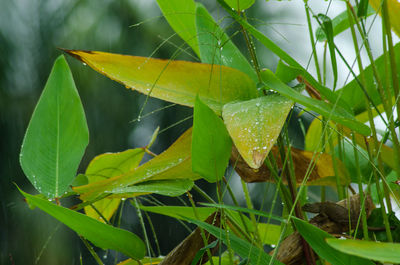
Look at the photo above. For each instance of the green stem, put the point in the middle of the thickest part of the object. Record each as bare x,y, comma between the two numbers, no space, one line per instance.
311,34
360,188
91,251
252,216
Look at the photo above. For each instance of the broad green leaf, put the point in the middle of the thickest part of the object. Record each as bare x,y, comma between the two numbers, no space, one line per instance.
379,251
57,134
181,16
362,11
240,246
240,5
106,166
173,163
316,238
335,113
340,23
254,125
174,81
216,47
287,73
354,95
211,144
100,234
169,187
325,92
394,11
269,233
328,29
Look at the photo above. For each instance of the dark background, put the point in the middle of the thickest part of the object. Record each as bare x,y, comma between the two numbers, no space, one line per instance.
30,32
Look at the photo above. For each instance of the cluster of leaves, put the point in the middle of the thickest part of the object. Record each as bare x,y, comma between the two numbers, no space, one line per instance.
238,108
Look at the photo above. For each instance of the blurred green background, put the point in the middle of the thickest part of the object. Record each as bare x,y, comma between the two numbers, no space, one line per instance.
30,32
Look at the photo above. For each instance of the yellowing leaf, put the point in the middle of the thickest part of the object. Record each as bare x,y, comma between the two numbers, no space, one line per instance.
394,11
254,125
174,81
106,166
174,163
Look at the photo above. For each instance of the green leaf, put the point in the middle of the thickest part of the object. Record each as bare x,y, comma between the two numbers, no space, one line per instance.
211,144
245,210
57,134
379,251
106,166
326,92
240,5
316,238
170,187
269,233
287,73
240,246
354,95
174,81
181,17
328,29
182,212
363,10
100,234
335,113
216,47
340,23
173,163
178,212
254,125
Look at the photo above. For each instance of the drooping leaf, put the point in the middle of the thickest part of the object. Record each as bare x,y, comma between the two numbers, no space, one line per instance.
328,29
106,166
240,246
316,166
181,16
394,11
211,144
57,134
379,251
340,23
354,95
174,81
316,238
100,234
173,163
254,125
240,5
326,92
216,47
169,187
181,212
335,113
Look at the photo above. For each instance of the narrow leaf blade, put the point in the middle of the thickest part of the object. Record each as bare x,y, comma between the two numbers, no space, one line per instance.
316,238
216,47
100,234
337,114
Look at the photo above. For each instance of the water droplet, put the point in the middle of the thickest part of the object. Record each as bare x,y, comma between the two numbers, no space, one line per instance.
84,64
138,67
139,118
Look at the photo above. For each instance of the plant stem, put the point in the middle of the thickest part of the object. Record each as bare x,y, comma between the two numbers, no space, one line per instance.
92,252
252,216
311,34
